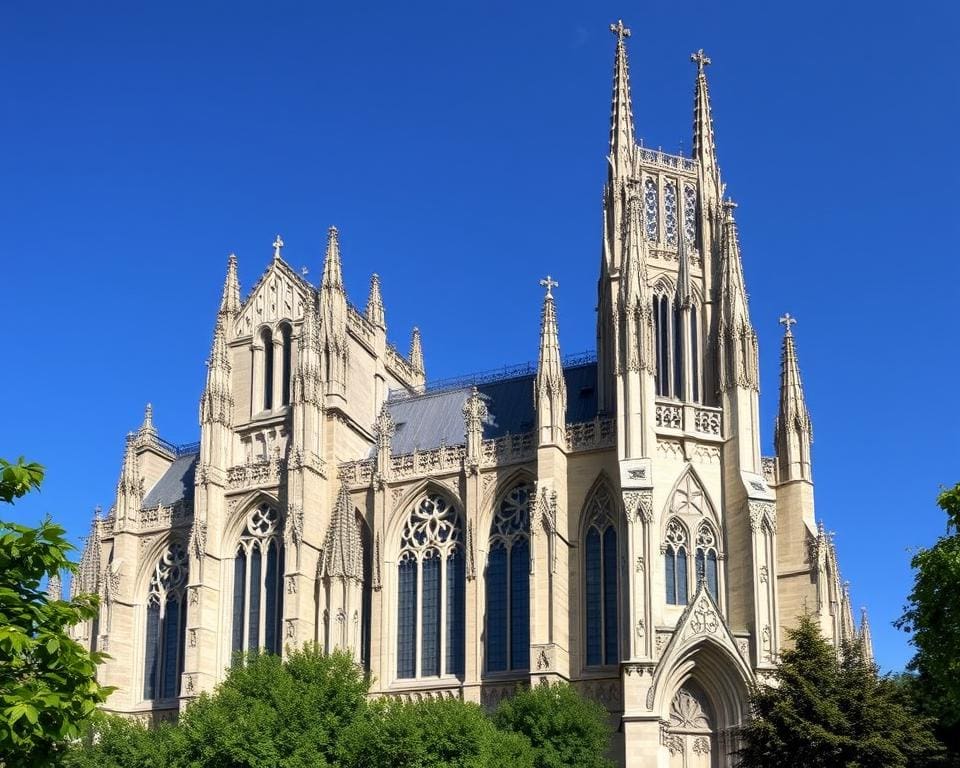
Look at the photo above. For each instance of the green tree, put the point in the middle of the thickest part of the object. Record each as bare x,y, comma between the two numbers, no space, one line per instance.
565,729
443,733
932,615
118,742
48,687
826,712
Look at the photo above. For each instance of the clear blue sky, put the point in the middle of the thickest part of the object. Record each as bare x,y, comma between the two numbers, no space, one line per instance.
460,149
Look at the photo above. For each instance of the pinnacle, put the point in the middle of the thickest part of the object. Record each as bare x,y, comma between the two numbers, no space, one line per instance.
332,269
621,110
230,298
374,311
416,350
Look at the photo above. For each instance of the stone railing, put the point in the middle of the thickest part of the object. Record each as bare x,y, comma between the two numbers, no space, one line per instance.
589,435
256,473
695,419
768,466
358,472
664,160
442,459
160,516
400,365
509,449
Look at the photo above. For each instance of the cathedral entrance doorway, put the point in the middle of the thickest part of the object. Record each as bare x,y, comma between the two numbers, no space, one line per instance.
690,734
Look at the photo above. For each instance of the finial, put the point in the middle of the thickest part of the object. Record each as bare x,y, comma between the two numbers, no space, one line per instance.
304,270
701,59
549,283
788,320
277,245
620,31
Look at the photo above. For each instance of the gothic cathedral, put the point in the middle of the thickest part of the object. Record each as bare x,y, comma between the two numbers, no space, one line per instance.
608,521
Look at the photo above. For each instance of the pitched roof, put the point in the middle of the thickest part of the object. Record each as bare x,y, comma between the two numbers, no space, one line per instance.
175,484
433,419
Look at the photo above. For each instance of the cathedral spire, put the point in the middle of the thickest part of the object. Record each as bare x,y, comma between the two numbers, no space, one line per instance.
216,402
147,429
342,556
621,110
550,389
332,269
866,637
737,338
416,351
793,432
374,312
230,299
704,146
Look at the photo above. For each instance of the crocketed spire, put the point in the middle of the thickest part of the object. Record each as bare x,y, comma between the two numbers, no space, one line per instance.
216,402
342,548
704,146
374,312
130,484
636,316
866,637
621,109
147,429
737,338
332,268
86,581
416,351
230,299
307,381
793,432
550,388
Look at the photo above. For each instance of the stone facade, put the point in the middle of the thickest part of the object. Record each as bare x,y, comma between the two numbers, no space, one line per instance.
606,521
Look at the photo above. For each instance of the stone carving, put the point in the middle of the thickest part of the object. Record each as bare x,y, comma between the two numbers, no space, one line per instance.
701,745
669,416
291,585
192,638
198,538
761,511
188,684
543,660
763,574
670,449
590,435
291,631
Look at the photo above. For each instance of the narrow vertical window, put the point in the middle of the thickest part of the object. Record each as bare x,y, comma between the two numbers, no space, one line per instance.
287,364
677,359
601,588
431,544
707,559
366,605
694,354
651,208
166,625
267,339
508,583
258,583
670,223
675,563
690,214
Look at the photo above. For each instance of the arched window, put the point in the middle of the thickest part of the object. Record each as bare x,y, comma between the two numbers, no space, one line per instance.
670,224
651,208
695,354
267,338
431,595
258,583
508,583
287,364
667,322
166,623
707,558
601,572
675,563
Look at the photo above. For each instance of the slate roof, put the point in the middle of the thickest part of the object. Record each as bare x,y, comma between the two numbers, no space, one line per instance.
175,484
436,418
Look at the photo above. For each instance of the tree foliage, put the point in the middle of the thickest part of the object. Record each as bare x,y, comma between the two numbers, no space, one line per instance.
932,615
564,728
48,687
826,712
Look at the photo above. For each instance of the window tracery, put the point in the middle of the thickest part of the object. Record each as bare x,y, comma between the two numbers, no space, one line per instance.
166,624
667,325
431,591
601,575
690,213
508,583
670,223
707,556
651,208
258,582
675,563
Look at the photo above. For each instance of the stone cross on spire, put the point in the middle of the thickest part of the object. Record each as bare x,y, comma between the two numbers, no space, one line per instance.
621,31
549,283
701,59
277,245
788,320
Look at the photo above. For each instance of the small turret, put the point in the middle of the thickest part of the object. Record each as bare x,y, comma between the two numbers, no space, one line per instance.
737,338
333,317
793,433
416,351
550,389
130,485
374,312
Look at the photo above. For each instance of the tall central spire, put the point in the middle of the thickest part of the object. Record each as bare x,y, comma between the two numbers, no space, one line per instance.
704,146
621,110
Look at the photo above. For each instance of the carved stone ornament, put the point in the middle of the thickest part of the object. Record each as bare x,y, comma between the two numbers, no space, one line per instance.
291,631
192,638
198,538
291,585
193,595
760,511
189,684
471,555
376,564
543,660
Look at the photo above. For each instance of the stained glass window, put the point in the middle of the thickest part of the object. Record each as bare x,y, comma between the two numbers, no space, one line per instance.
707,558
508,583
166,625
431,548
267,339
258,583
675,563
601,581
667,324
651,208
670,223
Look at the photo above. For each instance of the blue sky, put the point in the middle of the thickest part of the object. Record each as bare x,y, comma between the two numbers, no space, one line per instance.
460,150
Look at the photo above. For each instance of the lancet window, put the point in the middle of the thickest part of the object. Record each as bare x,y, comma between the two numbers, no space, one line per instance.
670,223
667,324
601,576
690,215
651,208
266,337
166,624
707,556
287,364
258,582
675,563
508,583
431,591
